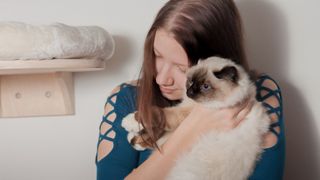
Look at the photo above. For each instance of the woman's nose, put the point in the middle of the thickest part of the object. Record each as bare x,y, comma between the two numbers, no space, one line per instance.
164,77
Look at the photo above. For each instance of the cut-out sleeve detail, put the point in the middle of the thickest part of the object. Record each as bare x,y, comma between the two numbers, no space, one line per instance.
115,157
270,165
107,133
268,92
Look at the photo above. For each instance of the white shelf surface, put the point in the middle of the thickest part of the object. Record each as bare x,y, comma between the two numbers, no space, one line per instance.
8,67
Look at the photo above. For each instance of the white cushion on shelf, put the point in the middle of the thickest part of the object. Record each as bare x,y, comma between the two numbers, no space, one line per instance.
20,41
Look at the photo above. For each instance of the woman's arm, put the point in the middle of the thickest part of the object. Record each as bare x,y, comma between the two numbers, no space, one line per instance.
271,163
115,157
158,165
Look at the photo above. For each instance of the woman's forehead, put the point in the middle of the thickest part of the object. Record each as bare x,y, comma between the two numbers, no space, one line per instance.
167,47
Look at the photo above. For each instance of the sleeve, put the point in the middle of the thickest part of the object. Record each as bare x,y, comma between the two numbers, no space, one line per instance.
271,163
115,157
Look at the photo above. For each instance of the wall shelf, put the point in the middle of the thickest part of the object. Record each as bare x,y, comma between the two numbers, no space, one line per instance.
40,87
53,65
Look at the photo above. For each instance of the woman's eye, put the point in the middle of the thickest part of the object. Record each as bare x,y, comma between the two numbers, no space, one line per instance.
156,54
182,69
205,87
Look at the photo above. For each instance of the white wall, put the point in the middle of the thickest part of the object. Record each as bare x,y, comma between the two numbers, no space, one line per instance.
283,41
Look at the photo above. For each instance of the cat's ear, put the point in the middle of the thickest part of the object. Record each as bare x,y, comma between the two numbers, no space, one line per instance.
199,61
228,72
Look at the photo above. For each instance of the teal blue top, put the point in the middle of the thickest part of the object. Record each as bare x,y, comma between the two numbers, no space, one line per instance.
123,158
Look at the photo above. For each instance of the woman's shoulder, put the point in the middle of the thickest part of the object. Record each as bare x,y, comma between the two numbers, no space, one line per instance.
269,94
267,86
122,98
124,89
264,79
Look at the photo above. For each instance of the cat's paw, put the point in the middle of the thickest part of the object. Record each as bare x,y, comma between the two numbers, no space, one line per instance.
132,138
130,124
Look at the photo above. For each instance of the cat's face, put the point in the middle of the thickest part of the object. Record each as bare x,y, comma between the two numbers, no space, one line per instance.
216,80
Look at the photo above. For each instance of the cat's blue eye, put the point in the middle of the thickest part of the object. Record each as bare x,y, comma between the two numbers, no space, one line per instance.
205,87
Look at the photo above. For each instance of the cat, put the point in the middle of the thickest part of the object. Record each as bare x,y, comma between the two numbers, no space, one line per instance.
216,83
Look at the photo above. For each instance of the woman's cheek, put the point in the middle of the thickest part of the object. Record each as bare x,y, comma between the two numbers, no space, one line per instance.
182,78
158,66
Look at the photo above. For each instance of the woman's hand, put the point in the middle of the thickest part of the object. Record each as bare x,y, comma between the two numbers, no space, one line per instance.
204,119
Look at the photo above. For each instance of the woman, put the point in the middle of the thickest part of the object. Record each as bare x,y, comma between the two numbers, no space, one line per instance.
183,32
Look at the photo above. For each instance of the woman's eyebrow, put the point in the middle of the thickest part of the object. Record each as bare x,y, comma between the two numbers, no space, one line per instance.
181,64
175,63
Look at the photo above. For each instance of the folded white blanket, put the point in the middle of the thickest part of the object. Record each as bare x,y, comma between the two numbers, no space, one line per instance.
20,41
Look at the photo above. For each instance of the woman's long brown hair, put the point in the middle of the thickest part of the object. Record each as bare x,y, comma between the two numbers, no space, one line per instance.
203,28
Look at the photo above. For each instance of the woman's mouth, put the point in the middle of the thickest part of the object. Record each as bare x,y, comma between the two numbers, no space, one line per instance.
166,90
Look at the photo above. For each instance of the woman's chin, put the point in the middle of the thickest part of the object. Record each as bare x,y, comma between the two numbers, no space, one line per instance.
172,96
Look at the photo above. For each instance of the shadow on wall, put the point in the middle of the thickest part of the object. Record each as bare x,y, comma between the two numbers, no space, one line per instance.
267,43
123,53
114,67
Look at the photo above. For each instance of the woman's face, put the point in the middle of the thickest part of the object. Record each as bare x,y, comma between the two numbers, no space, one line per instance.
171,65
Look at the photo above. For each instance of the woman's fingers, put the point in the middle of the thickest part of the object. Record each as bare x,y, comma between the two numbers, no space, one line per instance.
222,119
244,110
